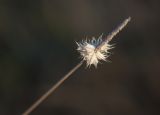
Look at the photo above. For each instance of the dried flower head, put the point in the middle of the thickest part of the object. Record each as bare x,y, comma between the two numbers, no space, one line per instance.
89,52
95,50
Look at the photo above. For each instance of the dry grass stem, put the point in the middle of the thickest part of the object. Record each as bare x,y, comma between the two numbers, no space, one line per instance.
51,90
115,32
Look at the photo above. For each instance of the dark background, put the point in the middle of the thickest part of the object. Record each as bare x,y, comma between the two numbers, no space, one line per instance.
37,47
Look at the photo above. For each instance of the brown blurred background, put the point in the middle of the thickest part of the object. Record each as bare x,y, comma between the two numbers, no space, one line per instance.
37,47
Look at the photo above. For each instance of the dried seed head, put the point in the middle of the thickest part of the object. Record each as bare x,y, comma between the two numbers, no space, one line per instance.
89,53
95,50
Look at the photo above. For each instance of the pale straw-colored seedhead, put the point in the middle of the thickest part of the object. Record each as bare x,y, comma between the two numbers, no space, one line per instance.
95,50
89,52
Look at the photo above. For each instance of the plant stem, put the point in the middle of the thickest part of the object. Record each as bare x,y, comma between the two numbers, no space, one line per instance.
114,32
117,30
51,90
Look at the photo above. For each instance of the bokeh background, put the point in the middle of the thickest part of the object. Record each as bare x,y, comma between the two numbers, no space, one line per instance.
37,47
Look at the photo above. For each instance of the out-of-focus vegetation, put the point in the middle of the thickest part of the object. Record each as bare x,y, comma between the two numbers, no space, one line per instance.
37,47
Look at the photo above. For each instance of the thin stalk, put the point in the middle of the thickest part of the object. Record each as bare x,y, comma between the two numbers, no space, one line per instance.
117,30
114,32
51,90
